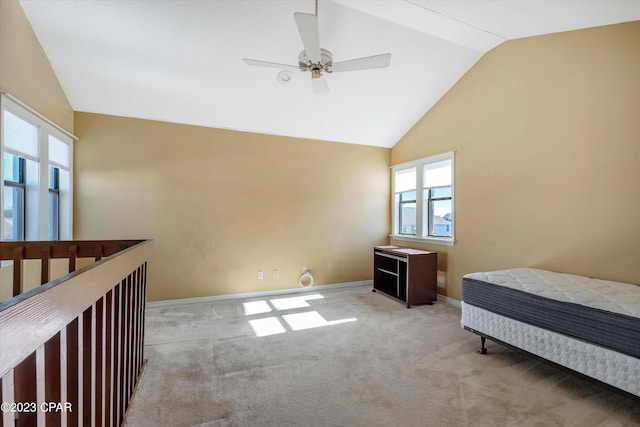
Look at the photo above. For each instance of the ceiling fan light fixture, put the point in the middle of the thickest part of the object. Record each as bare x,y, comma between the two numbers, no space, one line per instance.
316,68
285,76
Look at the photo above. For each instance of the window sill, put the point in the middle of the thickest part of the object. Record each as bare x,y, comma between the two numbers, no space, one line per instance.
446,241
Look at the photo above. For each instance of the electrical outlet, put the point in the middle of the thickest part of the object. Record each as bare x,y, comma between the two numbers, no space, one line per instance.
275,274
260,275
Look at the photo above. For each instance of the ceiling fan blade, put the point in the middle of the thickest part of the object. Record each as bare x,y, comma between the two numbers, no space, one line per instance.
310,35
255,62
320,85
369,62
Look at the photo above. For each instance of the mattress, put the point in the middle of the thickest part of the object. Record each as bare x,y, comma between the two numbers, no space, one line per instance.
601,312
618,370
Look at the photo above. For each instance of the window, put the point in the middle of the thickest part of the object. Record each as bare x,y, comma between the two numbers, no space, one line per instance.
14,195
36,168
406,194
437,196
424,200
407,212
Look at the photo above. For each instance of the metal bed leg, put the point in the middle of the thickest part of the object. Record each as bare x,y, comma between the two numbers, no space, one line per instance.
482,349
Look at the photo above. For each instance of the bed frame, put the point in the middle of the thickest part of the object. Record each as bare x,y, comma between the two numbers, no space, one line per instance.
589,358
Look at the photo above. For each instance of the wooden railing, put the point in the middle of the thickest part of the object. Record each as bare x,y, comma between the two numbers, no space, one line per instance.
48,250
71,350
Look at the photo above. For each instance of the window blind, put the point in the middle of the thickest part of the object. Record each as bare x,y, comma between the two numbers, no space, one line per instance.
20,137
405,180
59,152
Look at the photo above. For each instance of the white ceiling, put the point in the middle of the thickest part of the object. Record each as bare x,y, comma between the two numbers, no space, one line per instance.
180,61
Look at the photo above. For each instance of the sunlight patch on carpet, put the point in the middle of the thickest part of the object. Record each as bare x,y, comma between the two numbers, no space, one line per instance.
294,302
311,319
279,304
256,307
267,326
274,325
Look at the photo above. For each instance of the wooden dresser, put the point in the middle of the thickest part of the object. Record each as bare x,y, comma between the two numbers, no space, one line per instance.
409,275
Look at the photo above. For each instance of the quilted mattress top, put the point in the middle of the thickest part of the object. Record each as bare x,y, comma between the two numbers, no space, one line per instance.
616,297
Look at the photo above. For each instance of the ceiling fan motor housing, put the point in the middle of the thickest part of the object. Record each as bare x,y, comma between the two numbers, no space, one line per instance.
326,60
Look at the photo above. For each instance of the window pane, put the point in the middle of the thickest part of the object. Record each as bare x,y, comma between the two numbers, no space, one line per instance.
54,209
13,213
54,180
405,180
440,192
440,218
64,218
437,174
20,136
11,168
408,196
54,203
408,218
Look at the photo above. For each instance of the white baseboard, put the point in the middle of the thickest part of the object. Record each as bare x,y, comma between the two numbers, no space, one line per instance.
442,283
450,301
201,300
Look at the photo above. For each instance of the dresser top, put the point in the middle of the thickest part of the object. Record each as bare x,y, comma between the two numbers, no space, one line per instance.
402,250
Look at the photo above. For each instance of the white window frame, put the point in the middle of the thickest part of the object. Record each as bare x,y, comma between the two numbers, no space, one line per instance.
37,197
421,212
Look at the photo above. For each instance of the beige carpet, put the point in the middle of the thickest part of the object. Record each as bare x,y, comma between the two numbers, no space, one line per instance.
350,357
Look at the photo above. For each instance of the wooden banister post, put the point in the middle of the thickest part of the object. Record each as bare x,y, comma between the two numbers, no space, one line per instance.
45,258
18,254
78,340
99,251
73,255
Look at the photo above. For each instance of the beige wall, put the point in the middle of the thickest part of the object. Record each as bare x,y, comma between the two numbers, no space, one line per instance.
547,138
222,205
25,71
219,204
546,134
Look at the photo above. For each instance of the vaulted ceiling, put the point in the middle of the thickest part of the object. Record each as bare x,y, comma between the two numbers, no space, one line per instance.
181,61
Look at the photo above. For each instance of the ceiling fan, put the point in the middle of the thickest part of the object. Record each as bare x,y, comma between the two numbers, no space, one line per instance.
317,60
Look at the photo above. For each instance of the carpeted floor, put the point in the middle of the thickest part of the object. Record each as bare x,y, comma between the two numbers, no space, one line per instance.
350,357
